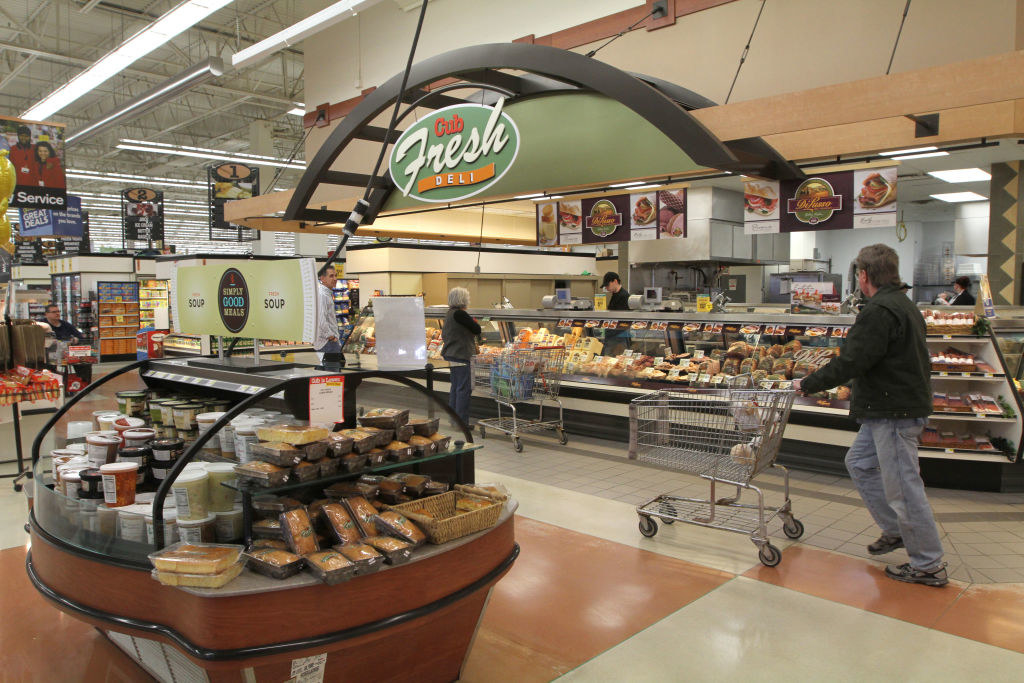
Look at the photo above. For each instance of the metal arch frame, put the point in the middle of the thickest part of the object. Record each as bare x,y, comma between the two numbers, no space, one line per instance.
645,96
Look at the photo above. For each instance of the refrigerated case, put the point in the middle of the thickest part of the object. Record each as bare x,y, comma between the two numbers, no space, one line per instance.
154,304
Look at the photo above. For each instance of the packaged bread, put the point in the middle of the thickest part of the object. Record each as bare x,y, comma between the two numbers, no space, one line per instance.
351,489
383,436
766,363
261,473
272,506
341,523
802,369
757,377
376,456
388,418
398,451
465,504
363,513
421,445
424,426
731,367
316,508
742,454
362,441
395,550
329,466
218,580
195,558
330,566
353,462
759,352
739,350
290,433
440,442
298,531
413,484
434,488
276,453
710,366
338,443
306,471
277,564
316,450
365,557
275,543
267,528
398,525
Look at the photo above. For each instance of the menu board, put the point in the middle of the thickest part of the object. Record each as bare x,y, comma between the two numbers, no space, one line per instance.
612,218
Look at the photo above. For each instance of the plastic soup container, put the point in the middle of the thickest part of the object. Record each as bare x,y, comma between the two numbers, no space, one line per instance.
191,495
102,448
119,483
222,499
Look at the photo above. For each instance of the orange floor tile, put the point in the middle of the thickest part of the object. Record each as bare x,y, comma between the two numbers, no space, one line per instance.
989,613
857,583
570,597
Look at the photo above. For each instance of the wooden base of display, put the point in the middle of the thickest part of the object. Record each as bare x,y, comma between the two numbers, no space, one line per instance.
412,622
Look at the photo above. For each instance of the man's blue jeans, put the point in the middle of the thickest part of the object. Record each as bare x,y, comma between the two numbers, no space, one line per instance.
883,464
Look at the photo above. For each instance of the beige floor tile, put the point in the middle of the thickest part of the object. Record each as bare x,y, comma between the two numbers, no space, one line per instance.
981,562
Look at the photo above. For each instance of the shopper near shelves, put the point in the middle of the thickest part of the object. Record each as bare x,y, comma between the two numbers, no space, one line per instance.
961,295
615,341
459,336
65,331
326,344
886,358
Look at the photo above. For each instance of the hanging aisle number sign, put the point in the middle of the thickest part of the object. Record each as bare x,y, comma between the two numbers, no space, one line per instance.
457,152
227,182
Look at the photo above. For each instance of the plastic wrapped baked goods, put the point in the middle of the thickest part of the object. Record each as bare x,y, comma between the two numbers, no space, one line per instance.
440,441
775,351
341,524
792,346
403,432
351,489
765,364
329,466
731,367
276,453
434,488
217,580
339,444
424,426
316,450
388,418
362,513
802,369
398,525
298,531
267,528
413,484
783,366
294,434
330,566
353,462
261,473
366,558
362,441
376,456
195,558
398,451
747,366
276,543
395,550
306,471
421,445
384,436
739,350
277,564
272,506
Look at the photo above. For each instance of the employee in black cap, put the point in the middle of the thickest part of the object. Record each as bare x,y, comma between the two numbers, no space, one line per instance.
615,341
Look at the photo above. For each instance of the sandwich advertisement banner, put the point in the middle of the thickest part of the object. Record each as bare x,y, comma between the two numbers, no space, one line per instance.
612,218
142,216
259,299
227,182
827,201
37,152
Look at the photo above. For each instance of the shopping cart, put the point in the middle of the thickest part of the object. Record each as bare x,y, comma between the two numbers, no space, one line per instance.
726,436
521,375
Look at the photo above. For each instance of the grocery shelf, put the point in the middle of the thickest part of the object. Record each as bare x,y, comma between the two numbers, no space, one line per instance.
971,417
990,376
962,339
962,454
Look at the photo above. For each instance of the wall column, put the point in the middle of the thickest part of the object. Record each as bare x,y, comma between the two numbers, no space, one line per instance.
261,141
1005,237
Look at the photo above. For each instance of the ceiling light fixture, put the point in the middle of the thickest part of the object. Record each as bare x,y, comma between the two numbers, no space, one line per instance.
962,175
299,31
545,199
299,110
908,151
629,184
645,187
129,179
206,153
956,197
170,25
907,157
529,196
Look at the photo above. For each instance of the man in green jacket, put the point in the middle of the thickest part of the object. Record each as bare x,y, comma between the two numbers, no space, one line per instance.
886,357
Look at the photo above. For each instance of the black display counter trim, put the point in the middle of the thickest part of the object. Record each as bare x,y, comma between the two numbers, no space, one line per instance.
91,555
490,250
212,655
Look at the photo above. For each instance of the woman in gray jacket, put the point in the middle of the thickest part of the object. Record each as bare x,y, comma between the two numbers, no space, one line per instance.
459,336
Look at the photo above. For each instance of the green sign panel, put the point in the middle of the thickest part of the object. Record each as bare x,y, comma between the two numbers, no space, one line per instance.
456,152
260,299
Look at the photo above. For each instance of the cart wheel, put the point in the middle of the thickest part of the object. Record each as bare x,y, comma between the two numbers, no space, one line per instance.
793,528
668,509
483,432
563,438
648,527
517,444
769,555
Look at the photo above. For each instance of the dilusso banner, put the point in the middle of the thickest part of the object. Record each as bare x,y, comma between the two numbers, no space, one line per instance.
253,299
37,152
612,218
828,201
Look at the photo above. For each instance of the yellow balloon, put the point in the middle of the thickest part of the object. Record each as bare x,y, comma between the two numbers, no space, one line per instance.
8,180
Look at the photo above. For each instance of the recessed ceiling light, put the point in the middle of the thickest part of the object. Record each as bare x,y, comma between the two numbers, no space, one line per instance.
925,155
630,184
908,151
962,175
529,196
644,187
544,199
954,197
298,111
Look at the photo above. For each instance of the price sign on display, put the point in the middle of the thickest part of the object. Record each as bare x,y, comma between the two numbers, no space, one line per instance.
326,399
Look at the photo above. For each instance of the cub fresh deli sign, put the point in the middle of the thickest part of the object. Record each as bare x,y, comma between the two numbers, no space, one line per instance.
457,152
827,201
262,299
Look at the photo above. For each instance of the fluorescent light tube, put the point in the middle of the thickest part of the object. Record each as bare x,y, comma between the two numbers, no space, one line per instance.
926,155
908,151
299,31
644,187
529,196
962,175
298,111
207,153
546,199
630,184
170,25
955,197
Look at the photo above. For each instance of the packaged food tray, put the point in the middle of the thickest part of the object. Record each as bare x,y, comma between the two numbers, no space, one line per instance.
444,525
277,564
425,426
390,418
201,580
196,558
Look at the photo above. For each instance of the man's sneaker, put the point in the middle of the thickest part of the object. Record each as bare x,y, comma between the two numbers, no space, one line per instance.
885,544
908,574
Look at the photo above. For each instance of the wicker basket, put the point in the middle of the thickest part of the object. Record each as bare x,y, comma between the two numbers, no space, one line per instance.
445,525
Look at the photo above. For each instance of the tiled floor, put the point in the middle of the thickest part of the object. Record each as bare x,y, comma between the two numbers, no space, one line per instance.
591,599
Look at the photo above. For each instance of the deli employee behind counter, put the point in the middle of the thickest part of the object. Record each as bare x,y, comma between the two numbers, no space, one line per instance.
615,341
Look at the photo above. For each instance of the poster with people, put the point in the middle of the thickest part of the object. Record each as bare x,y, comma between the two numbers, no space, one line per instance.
37,152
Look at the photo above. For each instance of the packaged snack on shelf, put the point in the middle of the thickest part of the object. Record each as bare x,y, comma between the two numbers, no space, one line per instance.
422,446
298,531
395,550
382,436
330,566
217,580
398,451
196,558
275,543
413,484
396,524
363,513
374,479
306,471
339,444
435,488
316,450
277,564
425,426
261,474
267,528
403,433
329,466
377,456
450,515
341,523
387,418
440,442
351,489
495,491
366,559
276,453
361,441
291,433
272,506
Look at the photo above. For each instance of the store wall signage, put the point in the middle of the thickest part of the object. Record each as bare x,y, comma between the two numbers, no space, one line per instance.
828,201
36,150
261,299
142,216
226,182
49,222
613,218
456,152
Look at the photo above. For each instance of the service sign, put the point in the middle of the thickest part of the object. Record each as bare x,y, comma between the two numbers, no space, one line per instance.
36,150
48,222
264,299
455,153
